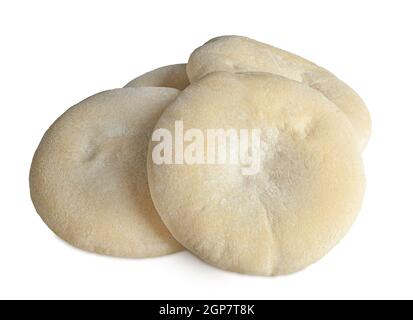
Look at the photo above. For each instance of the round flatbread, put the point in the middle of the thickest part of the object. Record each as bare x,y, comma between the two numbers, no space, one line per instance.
300,202
241,54
173,76
88,178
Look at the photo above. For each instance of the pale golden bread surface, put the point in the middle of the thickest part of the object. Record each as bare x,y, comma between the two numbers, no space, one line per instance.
172,76
241,54
304,198
88,178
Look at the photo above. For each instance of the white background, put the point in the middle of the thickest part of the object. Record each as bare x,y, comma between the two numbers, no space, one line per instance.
55,53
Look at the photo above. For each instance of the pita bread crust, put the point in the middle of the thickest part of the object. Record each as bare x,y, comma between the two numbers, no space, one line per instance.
300,204
88,178
241,54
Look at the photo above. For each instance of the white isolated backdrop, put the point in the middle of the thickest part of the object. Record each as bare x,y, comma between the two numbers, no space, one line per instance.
55,53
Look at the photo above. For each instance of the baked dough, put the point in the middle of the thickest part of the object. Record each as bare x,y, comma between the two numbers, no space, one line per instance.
88,178
304,198
240,54
173,76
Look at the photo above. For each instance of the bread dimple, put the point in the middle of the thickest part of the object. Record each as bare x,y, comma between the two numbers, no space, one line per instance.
241,54
295,209
88,178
